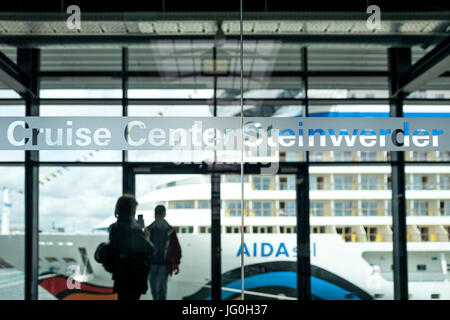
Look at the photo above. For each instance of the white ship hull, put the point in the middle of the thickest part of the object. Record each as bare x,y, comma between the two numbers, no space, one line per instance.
340,270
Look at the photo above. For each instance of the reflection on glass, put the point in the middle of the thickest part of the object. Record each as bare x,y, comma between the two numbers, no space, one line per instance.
76,206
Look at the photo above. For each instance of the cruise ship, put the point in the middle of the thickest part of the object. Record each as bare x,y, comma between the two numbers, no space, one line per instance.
350,220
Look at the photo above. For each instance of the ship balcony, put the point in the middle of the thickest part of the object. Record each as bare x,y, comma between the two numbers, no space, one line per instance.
349,186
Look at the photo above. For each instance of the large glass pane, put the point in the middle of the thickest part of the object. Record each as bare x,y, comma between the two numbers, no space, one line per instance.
79,58
347,58
187,199
352,224
348,87
12,233
76,206
80,88
270,241
428,230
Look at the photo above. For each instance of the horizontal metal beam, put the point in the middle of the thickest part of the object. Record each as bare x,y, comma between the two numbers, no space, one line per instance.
223,102
398,40
282,164
179,74
14,77
211,15
430,66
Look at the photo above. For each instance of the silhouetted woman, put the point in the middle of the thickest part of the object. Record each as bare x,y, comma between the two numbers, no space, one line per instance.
132,251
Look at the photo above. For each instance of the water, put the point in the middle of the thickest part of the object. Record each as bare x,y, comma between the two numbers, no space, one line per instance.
12,286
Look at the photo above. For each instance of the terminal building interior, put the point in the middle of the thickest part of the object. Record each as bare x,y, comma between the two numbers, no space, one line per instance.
331,224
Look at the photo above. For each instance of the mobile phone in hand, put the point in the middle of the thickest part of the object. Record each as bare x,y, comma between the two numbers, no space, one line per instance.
140,221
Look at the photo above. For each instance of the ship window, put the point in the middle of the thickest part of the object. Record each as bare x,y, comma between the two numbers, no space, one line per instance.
262,208
51,259
343,182
187,229
202,230
234,208
316,156
181,204
444,183
204,204
319,230
369,182
269,229
283,183
281,229
421,267
378,295
445,208
343,208
435,296
85,260
444,155
345,233
368,156
317,208
229,229
419,156
342,156
424,234
262,183
316,183
233,179
287,208
371,233
255,229
69,260
236,230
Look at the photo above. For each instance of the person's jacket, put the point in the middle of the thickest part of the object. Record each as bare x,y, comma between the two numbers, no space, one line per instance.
172,248
132,255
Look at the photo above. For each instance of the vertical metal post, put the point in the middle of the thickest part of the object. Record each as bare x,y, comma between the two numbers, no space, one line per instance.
216,259
216,251
303,234
29,61
128,180
304,57
399,61
128,176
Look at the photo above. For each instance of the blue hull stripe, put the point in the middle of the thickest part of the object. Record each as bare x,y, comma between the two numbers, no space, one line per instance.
319,287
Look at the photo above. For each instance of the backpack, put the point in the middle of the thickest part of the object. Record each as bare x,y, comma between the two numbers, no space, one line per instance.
104,254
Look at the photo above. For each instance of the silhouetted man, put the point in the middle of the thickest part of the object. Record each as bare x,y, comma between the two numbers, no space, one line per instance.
166,256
